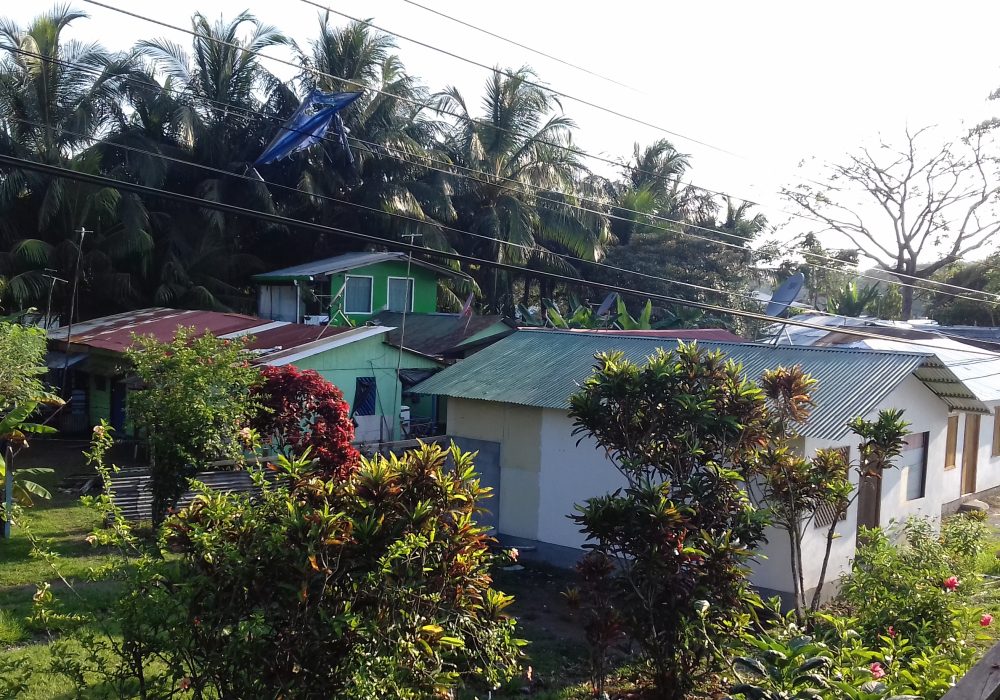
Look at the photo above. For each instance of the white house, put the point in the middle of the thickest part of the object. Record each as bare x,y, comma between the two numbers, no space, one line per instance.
514,395
972,452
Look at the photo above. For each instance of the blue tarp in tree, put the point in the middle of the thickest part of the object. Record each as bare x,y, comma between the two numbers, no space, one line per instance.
309,124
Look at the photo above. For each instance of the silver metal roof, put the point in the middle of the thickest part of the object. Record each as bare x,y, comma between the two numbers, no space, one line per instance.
543,368
345,262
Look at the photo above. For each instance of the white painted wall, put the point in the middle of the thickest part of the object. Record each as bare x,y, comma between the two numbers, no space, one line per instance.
544,474
569,476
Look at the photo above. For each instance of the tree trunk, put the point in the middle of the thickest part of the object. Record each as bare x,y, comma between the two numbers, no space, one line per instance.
907,294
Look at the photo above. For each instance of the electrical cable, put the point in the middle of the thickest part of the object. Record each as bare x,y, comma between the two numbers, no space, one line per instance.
628,271
562,203
521,185
380,147
102,180
537,52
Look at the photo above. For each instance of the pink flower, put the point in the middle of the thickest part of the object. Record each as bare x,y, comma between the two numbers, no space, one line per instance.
986,620
514,554
877,670
891,632
951,583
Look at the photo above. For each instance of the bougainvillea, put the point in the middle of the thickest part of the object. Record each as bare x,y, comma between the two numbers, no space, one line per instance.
305,411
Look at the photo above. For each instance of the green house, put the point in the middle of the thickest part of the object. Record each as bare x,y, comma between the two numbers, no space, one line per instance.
353,286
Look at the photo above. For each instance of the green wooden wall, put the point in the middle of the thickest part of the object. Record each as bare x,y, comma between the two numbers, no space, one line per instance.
424,287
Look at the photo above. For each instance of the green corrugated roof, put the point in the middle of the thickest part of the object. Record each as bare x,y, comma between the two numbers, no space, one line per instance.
543,368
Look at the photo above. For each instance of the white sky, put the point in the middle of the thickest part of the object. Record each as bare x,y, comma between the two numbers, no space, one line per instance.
773,82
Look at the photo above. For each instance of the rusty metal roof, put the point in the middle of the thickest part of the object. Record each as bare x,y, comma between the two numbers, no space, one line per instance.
543,368
270,339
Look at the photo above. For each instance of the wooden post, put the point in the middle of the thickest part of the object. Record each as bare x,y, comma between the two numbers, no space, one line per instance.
8,488
982,682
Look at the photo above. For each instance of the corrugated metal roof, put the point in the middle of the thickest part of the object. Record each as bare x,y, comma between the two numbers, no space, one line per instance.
435,334
543,368
271,339
343,263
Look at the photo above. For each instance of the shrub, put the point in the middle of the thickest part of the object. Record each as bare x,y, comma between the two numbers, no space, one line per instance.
372,586
302,412
908,585
194,402
684,431
965,535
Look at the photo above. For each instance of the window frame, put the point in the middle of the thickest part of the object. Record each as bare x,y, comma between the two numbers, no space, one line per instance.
925,439
996,432
371,292
951,442
412,291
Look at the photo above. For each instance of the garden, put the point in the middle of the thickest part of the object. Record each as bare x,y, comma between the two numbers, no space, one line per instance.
342,576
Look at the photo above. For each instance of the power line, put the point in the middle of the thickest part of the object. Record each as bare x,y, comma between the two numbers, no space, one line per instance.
519,186
420,105
533,83
102,180
537,52
423,105
628,271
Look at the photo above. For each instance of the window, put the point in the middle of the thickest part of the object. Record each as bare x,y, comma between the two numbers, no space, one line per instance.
951,443
400,294
365,396
913,465
358,295
996,433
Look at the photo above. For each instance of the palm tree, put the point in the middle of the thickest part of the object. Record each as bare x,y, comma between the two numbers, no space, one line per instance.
57,96
204,258
524,185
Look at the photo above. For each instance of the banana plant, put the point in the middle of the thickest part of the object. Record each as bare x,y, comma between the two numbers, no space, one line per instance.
14,431
627,323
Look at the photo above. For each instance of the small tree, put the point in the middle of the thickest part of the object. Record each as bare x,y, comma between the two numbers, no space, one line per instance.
795,487
22,362
197,397
303,411
684,430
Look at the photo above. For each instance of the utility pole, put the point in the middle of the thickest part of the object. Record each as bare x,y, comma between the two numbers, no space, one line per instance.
52,285
8,487
408,297
72,309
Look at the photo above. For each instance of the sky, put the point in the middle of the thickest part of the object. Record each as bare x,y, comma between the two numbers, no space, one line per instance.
766,85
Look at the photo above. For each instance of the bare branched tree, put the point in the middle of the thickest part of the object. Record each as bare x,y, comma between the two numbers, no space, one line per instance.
939,204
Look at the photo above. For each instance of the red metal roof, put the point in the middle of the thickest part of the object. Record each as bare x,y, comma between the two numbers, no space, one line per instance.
115,333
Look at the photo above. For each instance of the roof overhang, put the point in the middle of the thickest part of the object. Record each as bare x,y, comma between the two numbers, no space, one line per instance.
948,387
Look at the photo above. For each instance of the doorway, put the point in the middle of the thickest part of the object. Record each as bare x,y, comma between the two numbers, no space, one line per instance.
970,453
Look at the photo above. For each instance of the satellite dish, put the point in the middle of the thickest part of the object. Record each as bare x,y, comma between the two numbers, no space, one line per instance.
784,295
605,306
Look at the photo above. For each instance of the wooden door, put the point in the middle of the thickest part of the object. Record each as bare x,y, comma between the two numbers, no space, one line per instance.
970,453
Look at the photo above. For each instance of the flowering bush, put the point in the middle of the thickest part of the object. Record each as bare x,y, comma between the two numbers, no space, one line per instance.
915,586
303,411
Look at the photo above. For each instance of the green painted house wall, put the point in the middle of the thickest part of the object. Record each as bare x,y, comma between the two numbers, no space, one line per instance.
424,287
371,357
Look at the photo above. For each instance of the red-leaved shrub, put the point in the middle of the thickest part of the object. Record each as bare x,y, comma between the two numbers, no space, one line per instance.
304,410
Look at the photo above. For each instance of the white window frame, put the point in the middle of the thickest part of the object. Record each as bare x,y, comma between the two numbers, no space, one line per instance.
412,290
371,292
